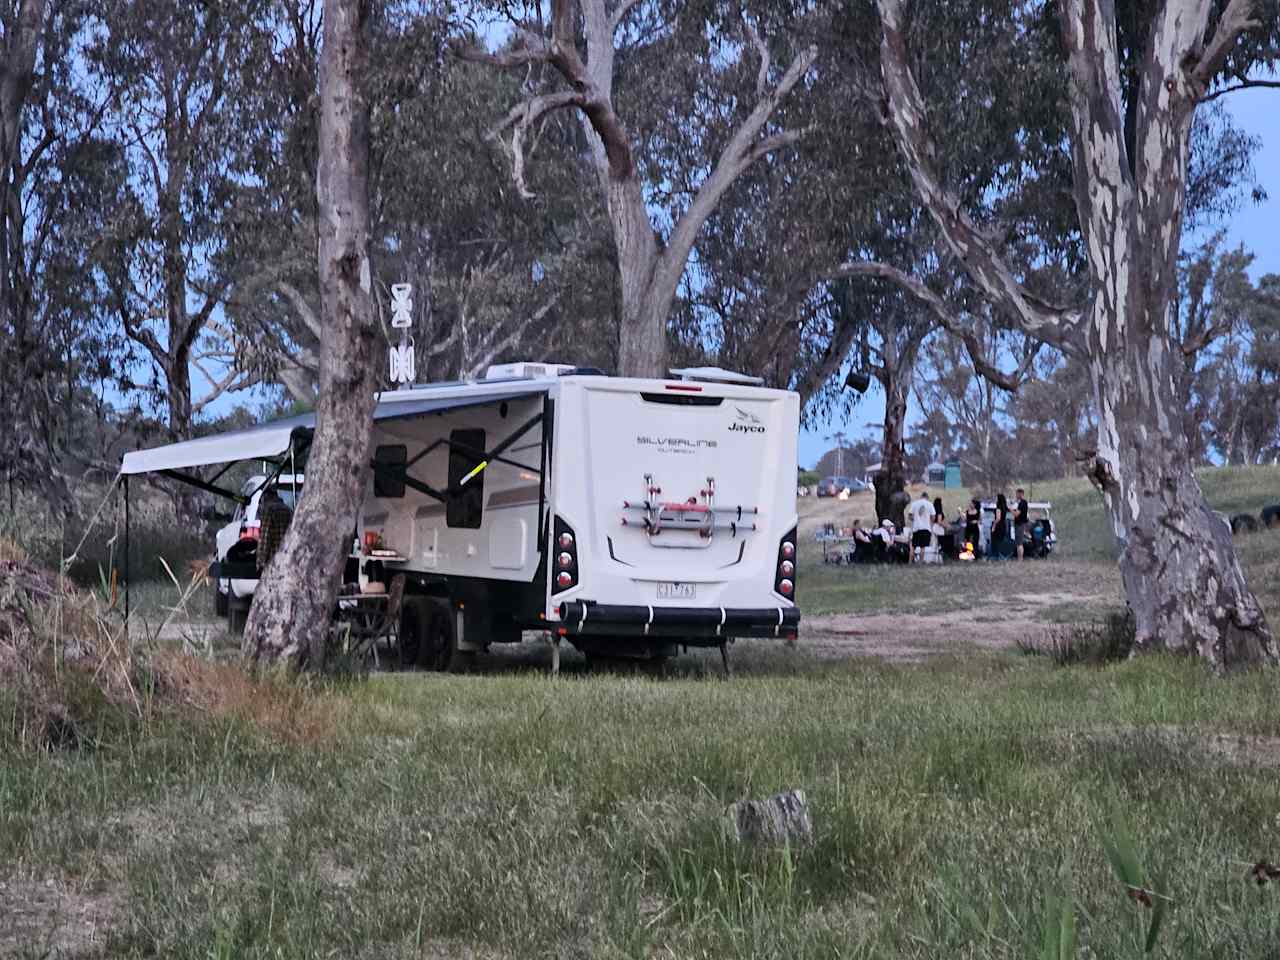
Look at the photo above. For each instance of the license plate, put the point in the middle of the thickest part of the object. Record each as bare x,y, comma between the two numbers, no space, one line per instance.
676,591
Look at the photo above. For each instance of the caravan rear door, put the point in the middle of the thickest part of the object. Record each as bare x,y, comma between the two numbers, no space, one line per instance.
678,493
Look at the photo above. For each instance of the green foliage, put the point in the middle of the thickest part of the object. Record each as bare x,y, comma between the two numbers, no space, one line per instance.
507,814
1140,887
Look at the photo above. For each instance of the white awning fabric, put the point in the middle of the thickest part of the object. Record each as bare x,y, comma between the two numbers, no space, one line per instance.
269,440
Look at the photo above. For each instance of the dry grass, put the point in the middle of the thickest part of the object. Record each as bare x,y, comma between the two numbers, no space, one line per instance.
289,709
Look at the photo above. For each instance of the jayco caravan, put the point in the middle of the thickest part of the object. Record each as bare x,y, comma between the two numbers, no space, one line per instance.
625,515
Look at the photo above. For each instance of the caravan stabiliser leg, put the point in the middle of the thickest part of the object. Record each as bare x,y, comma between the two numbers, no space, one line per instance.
724,657
555,653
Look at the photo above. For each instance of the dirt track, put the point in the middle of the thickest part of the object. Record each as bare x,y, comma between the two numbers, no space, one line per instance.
913,637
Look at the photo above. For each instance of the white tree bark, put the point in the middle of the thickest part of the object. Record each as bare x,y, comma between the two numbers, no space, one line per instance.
1182,579
295,599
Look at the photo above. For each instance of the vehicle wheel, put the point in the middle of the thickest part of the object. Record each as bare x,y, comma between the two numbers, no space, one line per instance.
441,652
237,614
415,618
219,599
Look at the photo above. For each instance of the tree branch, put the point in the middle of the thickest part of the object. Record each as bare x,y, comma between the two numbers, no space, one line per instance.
738,154
535,50
762,77
620,14
305,313
522,116
1236,19
1242,85
942,314
908,117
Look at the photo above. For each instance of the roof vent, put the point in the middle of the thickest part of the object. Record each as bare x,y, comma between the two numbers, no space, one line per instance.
526,370
716,375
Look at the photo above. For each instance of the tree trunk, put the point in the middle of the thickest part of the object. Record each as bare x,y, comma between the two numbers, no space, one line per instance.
1182,579
295,599
891,498
1181,576
642,333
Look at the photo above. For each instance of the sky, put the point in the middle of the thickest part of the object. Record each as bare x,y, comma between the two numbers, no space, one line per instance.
1256,226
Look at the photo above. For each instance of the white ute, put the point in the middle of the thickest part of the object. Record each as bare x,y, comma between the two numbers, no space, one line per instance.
238,540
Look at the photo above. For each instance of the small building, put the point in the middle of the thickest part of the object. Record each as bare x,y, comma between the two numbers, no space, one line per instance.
935,474
952,481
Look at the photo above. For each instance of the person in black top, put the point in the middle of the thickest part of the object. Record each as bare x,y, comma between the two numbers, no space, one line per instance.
1021,522
972,519
1000,527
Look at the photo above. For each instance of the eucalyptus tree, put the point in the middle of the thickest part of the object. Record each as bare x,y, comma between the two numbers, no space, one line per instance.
58,179
289,610
493,274
177,71
580,62
1132,87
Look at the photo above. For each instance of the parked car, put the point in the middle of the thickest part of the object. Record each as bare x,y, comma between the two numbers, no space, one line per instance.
831,486
238,540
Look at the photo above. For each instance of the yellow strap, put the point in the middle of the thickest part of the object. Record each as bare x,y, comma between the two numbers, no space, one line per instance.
479,466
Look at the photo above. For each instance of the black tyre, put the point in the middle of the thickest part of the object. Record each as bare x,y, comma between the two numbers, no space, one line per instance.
237,614
441,653
414,623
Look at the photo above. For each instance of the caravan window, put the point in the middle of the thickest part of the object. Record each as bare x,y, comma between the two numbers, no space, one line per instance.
389,470
466,503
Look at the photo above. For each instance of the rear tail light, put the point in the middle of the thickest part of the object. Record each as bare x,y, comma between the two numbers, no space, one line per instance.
784,578
250,531
566,559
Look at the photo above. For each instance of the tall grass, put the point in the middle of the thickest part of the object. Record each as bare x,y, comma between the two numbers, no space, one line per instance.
50,535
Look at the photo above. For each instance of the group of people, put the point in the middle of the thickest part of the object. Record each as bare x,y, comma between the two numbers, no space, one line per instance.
927,536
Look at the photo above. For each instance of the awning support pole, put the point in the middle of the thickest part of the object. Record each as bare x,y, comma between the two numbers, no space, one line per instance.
126,554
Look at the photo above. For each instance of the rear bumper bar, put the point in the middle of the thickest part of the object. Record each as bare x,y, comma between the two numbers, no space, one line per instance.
233,570
585,618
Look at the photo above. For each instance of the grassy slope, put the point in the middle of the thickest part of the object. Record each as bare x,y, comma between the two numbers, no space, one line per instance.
1084,564
511,815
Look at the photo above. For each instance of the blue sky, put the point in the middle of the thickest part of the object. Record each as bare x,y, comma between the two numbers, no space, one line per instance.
1256,226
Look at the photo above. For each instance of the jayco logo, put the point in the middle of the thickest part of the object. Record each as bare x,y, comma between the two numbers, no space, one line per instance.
746,423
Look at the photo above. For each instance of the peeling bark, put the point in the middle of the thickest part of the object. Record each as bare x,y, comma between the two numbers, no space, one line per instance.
295,599
1181,575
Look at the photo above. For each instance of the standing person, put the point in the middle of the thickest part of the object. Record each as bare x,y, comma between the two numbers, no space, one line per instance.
973,524
1000,527
1021,522
939,516
921,511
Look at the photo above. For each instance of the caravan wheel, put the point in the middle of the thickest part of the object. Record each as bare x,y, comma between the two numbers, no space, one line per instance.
415,619
441,650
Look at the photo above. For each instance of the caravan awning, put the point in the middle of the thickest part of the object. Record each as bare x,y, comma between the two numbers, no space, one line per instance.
269,440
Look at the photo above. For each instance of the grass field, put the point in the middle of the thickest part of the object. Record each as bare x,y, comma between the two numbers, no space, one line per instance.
963,806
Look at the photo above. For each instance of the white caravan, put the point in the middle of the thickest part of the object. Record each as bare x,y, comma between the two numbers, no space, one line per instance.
627,516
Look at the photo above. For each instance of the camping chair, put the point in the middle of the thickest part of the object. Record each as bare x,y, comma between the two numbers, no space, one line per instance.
1038,545
864,551
384,623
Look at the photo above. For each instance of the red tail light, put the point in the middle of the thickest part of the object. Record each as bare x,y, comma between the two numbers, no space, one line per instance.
784,578
566,559
250,531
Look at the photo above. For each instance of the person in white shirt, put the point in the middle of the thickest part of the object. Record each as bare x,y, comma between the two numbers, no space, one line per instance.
921,514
